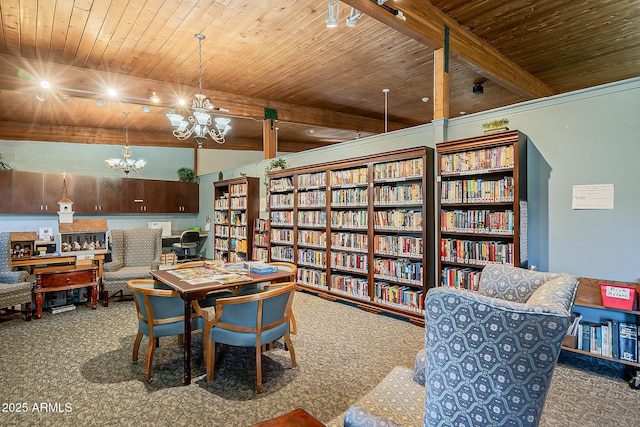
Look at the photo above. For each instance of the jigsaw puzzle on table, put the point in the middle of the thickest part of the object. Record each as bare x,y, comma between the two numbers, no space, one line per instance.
199,275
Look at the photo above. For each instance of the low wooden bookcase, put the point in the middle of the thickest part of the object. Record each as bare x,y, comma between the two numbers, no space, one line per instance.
65,277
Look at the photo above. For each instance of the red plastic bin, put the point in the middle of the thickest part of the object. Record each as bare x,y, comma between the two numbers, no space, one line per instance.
622,297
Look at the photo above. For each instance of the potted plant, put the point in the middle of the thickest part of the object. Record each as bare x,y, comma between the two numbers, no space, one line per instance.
187,175
494,126
274,165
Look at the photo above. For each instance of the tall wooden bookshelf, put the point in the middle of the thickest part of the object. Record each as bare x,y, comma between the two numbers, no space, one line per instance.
359,230
236,205
482,203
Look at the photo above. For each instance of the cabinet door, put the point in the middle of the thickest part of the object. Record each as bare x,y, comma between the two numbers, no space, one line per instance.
52,191
6,191
157,196
187,197
110,195
133,195
83,192
28,192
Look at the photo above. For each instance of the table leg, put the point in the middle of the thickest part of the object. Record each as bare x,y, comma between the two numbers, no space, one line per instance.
94,296
39,300
187,341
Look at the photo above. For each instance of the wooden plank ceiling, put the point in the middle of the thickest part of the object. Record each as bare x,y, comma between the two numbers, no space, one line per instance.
325,83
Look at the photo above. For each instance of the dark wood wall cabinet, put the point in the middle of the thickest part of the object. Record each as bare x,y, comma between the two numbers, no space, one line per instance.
39,192
359,230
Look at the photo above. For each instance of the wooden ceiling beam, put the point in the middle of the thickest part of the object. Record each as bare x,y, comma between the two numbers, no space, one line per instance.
24,75
425,23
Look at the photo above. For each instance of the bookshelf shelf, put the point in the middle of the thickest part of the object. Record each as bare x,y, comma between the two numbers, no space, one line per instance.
589,296
482,202
340,209
236,207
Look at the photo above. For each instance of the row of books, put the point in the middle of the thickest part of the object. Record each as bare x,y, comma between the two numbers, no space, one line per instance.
317,179
397,245
349,176
308,276
282,253
476,252
237,190
238,231
281,200
462,278
403,297
615,339
350,219
238,218
235,257
221,244
238,245
261,239
221,203
221,230
282,235
400,270
398,219
350,261
261,225
477,191
312,218
312,237
401,169
354,286
239,203
398,194
220,217
281,184
357,196
346,241
281,218
477,221
312,257
260,254
478,160
312,198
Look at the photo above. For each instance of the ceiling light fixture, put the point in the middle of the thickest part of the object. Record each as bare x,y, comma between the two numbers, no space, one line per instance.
353,17
398,13
126,163
200,119
154,98
478,89
332,13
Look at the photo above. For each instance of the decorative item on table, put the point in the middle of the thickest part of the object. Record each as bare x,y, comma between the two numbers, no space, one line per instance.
263,269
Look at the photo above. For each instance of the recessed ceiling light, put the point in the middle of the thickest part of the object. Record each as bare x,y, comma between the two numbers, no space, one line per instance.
425,99
181,102
45,84
112,92
312,131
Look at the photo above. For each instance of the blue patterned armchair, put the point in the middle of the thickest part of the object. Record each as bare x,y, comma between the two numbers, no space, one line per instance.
134,253
489,355
15,287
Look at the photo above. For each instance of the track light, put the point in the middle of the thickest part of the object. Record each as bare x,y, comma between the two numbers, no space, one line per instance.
478,89
154,98
353,17
332,13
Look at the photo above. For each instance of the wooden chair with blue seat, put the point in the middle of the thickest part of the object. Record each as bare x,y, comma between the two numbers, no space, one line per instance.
250,321
160,314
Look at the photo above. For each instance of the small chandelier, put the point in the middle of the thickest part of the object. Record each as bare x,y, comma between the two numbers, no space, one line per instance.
126,163
200,120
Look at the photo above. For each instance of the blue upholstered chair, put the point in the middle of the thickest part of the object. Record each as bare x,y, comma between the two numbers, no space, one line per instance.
15,287
160,314
489,356
134,253
251,321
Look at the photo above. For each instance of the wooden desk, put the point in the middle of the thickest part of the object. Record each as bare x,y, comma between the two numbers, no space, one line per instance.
65,258
65,277
296,418
189,293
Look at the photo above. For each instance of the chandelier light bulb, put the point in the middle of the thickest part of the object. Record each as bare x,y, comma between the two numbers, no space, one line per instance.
154,98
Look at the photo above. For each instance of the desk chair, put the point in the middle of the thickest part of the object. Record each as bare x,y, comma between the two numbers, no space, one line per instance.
189,240
251,321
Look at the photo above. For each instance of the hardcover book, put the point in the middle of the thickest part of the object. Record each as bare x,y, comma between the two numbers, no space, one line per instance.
628,341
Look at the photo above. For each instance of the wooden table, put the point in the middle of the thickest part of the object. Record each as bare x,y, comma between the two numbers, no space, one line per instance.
296,418
65,277
189,293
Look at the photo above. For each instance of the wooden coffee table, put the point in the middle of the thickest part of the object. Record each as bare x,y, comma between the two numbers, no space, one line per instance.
63,278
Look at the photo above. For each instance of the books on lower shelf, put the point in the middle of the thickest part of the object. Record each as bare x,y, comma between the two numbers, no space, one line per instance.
614,339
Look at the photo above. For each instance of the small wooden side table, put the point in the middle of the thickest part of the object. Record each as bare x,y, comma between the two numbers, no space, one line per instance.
296,418
65,277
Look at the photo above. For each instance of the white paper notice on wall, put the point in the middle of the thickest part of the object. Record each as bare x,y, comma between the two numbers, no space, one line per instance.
595,196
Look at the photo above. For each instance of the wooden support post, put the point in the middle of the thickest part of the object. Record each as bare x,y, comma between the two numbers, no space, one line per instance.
440,85
269,140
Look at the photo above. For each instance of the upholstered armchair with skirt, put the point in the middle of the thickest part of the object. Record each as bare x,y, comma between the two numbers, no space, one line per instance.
489,356
15,287
134,253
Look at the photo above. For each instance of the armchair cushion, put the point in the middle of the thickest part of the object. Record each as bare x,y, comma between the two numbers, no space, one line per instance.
511,283
15,293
